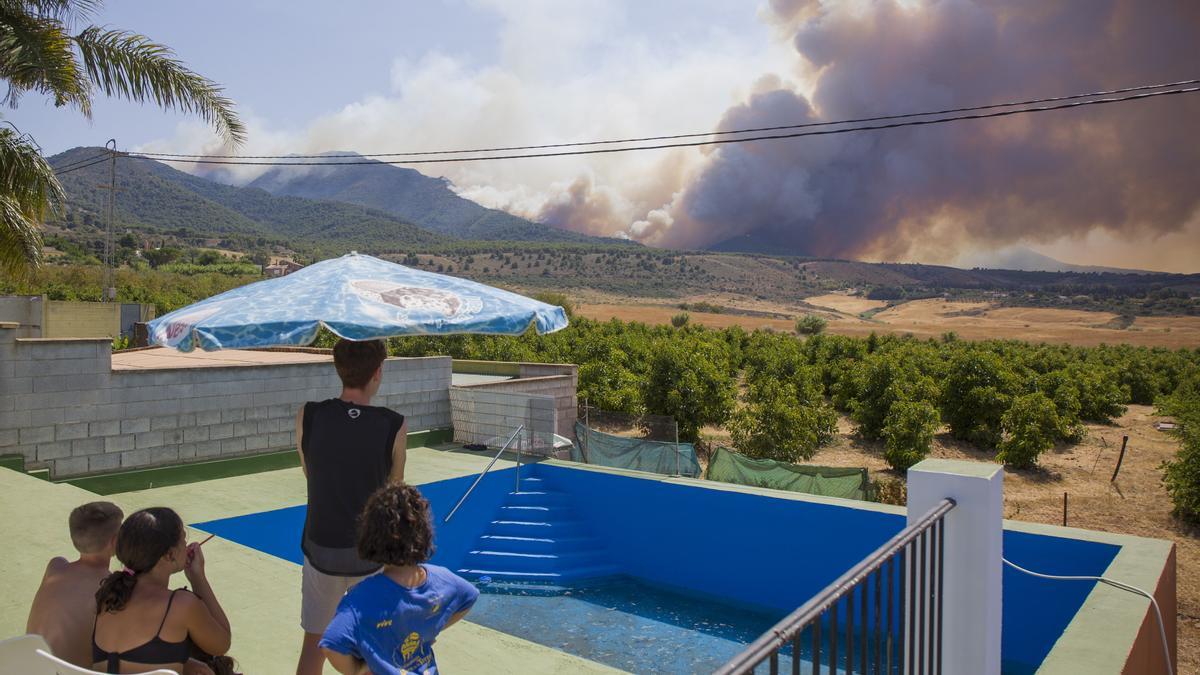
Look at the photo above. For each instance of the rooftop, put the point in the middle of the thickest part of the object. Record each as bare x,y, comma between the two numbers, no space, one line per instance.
260,593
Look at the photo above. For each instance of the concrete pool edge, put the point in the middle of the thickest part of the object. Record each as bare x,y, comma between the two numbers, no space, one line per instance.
1114,631
730,487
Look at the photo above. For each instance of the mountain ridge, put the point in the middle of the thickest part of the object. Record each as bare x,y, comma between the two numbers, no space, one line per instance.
154,196
409,194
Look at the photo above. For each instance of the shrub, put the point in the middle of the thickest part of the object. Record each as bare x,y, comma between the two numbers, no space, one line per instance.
1030,427
689,384
894,492
1101,394
908,433
681,319
559,299
882,380
777,423
977,391
1181,475
810,324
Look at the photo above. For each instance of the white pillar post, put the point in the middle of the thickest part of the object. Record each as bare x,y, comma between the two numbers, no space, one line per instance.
971,585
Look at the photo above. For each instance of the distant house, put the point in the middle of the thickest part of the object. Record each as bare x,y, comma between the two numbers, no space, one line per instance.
282,268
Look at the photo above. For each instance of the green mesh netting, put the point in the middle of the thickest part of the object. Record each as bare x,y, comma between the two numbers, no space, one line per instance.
728,466
594,447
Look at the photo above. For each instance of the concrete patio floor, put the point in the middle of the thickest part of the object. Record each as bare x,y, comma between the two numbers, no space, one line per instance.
260,593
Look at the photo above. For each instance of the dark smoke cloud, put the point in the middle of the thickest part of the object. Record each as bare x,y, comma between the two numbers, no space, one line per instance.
1130,168
582,207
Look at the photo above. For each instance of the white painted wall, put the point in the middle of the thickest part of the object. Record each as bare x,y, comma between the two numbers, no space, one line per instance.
972,591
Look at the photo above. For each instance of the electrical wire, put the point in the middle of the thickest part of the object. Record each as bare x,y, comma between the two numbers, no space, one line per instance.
662,146
76,167
70,166
81,161
644,139
1162,630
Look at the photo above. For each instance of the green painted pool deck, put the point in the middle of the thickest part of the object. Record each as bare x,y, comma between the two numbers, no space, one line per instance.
260,593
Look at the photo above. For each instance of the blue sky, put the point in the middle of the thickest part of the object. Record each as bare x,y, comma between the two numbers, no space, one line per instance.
287,63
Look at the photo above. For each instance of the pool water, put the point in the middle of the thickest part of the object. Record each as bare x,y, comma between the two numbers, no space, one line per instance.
623,623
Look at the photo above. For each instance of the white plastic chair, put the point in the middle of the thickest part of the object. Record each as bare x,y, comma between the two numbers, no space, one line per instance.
30,655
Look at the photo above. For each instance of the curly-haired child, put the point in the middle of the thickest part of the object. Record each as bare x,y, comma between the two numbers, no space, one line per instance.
388,622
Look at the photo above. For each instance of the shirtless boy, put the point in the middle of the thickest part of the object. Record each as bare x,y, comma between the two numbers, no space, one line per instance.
65,605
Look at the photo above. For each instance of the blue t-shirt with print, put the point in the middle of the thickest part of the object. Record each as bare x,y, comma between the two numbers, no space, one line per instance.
392,627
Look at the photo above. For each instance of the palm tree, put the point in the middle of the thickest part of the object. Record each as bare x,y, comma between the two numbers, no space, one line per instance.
41,52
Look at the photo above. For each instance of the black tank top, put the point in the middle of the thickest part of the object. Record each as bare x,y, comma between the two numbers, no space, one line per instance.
155,652
348,455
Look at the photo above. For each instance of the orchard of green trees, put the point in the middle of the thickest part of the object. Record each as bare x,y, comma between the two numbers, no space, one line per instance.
779,394
166,290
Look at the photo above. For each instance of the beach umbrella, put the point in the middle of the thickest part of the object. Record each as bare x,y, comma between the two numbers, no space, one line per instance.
357,297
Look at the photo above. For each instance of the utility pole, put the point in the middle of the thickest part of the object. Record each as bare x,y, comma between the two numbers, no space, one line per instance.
108,284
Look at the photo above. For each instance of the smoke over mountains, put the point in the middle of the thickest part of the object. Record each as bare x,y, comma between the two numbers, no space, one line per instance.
1129,168
1112,185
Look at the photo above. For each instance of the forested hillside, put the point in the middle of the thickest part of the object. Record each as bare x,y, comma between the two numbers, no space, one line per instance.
154,197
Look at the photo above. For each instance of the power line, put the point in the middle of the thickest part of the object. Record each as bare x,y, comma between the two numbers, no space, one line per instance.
80,161
663,146
644,139
83,164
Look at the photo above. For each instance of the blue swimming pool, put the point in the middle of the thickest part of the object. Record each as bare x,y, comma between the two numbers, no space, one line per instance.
624,623
632,571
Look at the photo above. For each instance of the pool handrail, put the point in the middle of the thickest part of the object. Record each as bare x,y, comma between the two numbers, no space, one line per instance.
478,478
923,637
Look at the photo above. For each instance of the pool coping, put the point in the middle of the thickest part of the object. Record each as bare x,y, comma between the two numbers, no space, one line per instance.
1106,630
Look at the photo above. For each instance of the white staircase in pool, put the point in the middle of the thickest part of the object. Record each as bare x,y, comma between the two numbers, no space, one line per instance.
537,536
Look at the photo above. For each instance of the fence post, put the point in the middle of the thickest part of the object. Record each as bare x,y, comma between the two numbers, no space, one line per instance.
677,449
587,429
972,571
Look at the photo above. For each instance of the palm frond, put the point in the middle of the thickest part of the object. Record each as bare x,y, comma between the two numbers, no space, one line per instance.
20,240
126,64
28,190
26,177
66,11
37,53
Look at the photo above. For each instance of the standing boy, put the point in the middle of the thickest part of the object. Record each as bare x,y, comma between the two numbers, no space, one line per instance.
348,449
64,607
387,624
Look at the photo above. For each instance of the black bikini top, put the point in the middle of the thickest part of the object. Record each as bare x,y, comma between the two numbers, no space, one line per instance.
155,652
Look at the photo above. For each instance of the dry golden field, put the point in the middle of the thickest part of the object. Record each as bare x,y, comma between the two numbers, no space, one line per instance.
929,318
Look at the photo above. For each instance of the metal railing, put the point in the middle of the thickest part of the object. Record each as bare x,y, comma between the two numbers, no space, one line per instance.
489,468
890,606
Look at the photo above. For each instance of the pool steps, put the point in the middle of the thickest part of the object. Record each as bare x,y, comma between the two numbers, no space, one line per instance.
537,537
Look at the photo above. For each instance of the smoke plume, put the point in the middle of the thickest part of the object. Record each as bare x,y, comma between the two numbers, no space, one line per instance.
1088,180
1129,169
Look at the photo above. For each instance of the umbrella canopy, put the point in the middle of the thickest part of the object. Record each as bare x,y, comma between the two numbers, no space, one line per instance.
358,297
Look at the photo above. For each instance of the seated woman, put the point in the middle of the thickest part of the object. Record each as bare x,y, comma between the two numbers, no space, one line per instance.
141,624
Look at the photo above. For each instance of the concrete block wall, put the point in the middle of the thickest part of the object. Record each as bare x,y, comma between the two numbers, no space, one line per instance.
484,417
558,381
62,406
24,310
67,319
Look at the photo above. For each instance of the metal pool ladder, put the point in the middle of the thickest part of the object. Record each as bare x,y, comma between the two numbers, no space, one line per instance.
488,468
